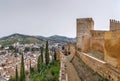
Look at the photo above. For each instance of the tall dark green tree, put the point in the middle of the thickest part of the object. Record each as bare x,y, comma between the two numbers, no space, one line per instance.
38,64
55,57
22,69
47,54
16,74
41,50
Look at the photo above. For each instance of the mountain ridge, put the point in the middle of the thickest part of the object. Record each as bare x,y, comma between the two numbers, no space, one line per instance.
16,37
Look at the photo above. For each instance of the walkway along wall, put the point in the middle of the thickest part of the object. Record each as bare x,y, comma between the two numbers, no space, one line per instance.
101,67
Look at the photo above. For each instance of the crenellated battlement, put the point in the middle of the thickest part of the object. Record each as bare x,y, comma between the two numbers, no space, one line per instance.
85,20
102,41
114,21
114,24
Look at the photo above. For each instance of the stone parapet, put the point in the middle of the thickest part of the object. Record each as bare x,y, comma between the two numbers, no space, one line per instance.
101,67
63,74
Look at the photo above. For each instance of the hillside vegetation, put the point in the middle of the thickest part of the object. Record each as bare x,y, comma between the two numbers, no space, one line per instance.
27,39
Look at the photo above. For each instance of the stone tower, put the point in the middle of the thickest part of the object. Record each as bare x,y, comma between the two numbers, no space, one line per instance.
84,25
114,25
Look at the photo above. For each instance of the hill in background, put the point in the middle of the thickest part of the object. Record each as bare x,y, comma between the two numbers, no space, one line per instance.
27,39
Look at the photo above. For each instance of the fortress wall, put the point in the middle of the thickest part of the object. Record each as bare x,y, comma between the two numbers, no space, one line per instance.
107,42
84,72
114,24
84,25
97,40
100,67
112,48
85,43
63,73
71,48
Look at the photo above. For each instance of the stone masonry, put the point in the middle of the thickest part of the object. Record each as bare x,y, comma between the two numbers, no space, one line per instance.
106,42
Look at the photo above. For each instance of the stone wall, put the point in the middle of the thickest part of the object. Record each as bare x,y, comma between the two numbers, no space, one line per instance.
84,25
112,48
63,73
114,24
98,66
97,40
106,42
85,43
72,49
88,38
84,72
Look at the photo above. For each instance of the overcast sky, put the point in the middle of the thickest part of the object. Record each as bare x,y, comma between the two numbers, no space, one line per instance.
54,17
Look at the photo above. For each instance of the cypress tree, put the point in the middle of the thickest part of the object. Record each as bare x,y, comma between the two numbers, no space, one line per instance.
41,49
22,69
47,54
38,64
16,74
55,58
41,58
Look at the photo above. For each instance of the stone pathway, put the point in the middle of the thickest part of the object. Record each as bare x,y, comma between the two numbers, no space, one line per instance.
72,74
67,69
